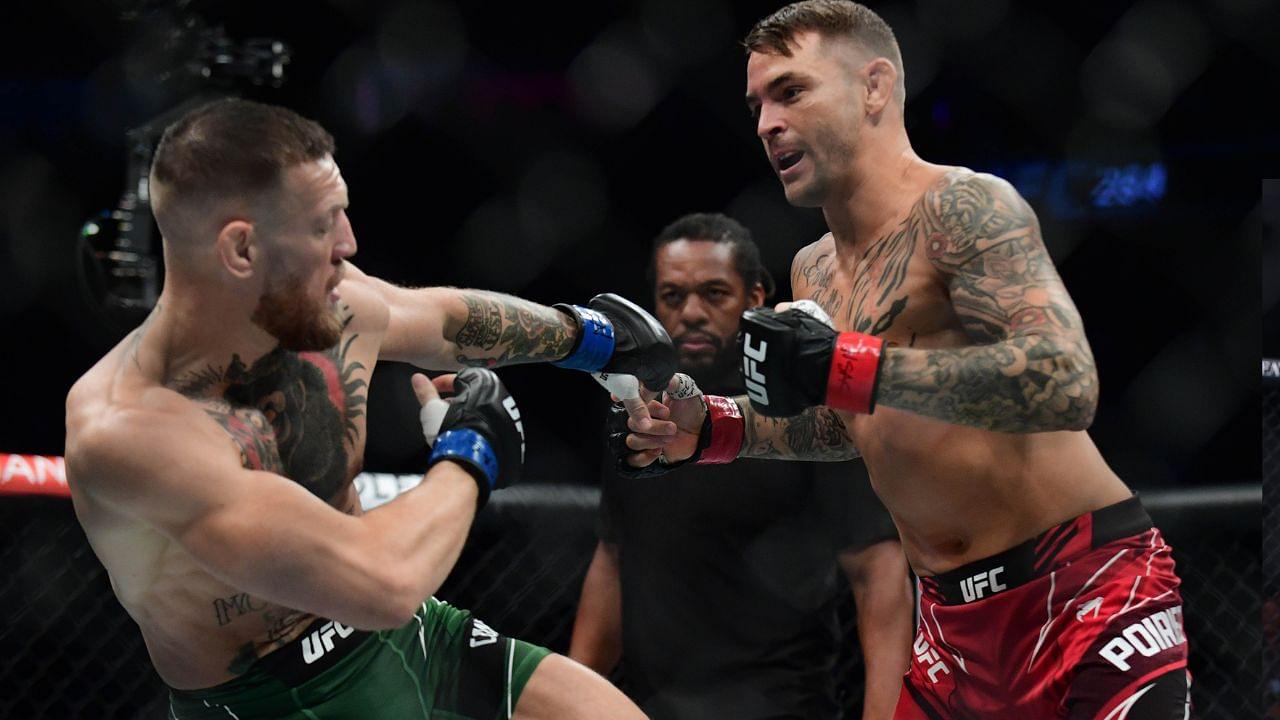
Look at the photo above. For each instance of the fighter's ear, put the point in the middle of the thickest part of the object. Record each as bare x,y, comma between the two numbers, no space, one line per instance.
882,78
237,249
756,296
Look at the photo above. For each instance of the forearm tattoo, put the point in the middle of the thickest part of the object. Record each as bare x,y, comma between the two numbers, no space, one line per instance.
817,434
1032,370
505,330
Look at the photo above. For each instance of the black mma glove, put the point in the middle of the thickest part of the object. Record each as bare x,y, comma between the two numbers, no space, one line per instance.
616,336
481,430
792,361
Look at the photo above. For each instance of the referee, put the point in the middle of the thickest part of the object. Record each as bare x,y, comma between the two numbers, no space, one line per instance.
717,585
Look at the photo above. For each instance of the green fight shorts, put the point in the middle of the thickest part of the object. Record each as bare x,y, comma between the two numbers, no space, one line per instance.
443,665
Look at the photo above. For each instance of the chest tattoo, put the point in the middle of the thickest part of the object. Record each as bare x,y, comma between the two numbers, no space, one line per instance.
292,413
817,275
877,295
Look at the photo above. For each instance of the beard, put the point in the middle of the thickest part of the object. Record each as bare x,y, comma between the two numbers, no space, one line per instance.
718,374
301,325
830,153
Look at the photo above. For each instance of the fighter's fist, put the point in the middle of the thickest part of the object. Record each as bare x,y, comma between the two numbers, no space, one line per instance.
617,336
479,427
709,431
792,360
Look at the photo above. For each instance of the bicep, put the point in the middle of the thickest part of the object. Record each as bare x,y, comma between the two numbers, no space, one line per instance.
267,535
416,324
985,241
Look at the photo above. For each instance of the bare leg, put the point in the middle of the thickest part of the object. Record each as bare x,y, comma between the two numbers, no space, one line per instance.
561,689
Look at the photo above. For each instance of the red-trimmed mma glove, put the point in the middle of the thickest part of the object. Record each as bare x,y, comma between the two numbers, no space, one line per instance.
479,428
719,436
792,361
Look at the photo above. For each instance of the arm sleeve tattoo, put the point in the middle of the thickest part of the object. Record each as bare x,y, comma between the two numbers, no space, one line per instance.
815,434
1031,369
505,330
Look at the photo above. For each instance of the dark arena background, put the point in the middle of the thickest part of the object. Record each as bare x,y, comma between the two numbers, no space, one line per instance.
536,149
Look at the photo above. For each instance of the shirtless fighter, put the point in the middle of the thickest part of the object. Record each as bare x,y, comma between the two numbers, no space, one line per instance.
211,453
959,370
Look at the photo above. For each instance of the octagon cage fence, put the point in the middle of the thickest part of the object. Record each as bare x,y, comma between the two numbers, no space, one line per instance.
68,650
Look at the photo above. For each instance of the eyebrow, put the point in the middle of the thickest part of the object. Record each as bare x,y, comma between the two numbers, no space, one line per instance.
705,285
783,79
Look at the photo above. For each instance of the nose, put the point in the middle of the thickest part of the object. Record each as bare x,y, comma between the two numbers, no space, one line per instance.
345,247
694,311
770,123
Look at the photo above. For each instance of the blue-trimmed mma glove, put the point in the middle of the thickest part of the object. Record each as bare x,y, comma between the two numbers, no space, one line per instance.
616,336
479,428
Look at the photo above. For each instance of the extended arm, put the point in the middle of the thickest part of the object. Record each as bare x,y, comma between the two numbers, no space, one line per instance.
1032,369
882,591
597,629
818,433
444,328
713,429
447,328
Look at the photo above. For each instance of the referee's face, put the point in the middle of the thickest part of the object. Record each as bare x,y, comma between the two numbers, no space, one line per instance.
699,299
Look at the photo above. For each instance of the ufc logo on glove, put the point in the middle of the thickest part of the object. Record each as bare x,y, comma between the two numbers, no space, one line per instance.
751,357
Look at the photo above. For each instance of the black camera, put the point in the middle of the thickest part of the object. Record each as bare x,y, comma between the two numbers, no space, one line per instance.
120,267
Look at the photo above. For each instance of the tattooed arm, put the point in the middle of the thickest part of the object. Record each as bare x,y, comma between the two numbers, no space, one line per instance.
442,328
1031,369
817,434
495,329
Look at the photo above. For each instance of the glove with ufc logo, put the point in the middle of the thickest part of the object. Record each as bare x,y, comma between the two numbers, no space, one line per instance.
479,427
616,336
792,360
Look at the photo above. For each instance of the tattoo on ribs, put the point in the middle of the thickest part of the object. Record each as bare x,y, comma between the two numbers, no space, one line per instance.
509,330
230,608
1032,369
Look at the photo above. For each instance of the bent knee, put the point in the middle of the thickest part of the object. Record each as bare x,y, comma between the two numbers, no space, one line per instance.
562,689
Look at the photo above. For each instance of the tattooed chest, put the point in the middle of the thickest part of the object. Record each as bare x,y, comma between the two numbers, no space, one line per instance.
888,293
297,414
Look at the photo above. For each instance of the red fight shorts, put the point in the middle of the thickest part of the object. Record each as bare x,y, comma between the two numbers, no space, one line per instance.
1082,621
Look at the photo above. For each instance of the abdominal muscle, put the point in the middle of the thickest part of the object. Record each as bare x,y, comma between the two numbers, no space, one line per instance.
960,494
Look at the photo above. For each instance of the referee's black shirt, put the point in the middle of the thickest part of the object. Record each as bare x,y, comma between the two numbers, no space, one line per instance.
729,582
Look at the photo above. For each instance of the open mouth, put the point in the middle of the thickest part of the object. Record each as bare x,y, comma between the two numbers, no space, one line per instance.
786,161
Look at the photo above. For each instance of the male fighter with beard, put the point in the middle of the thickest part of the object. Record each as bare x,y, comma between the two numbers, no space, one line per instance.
211,453
717,586
959,370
